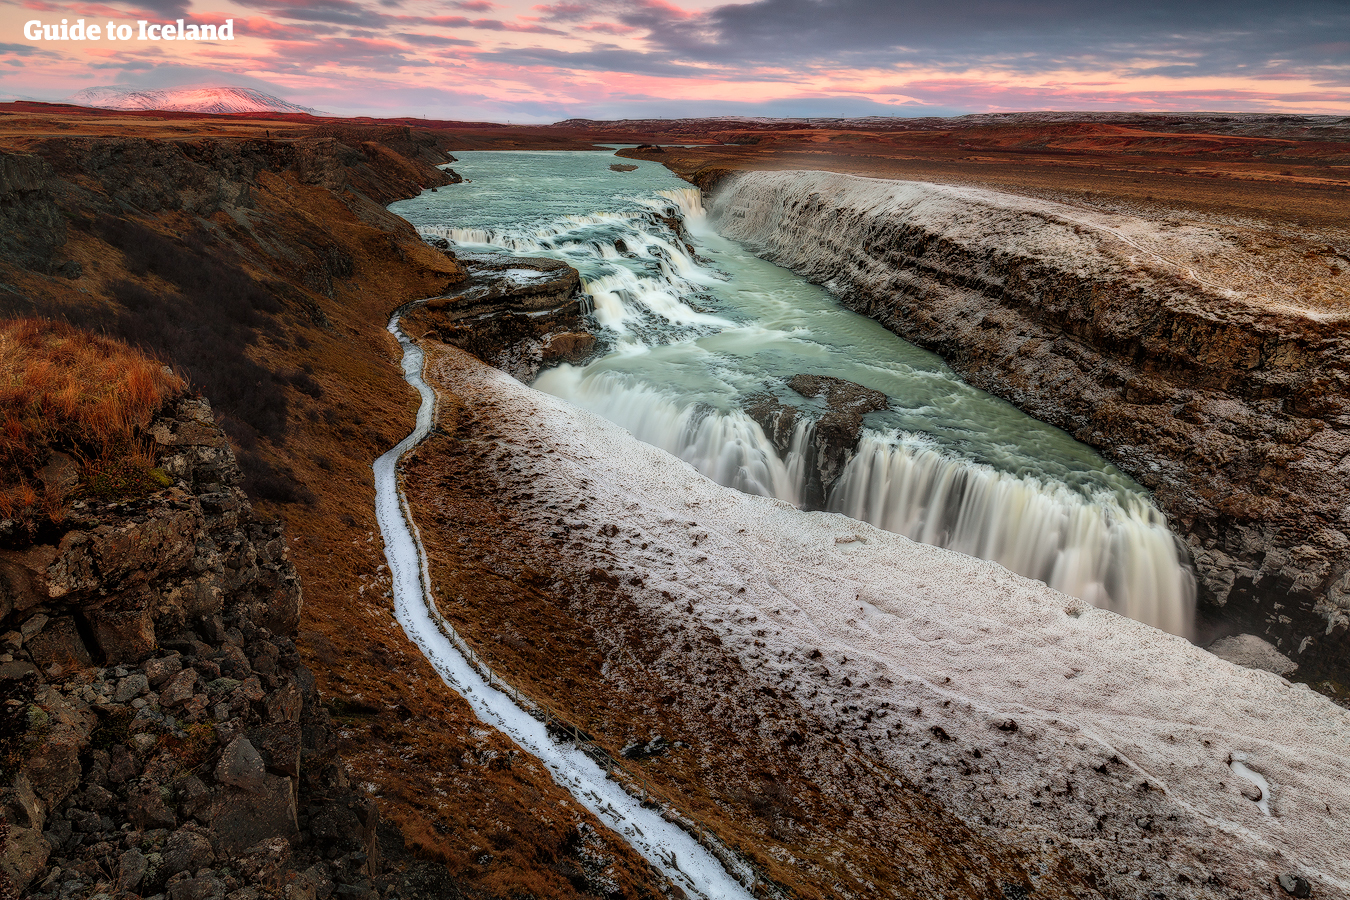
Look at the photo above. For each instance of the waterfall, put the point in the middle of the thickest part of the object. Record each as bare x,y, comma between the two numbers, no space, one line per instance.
689,201
1112,554
698,326
727,447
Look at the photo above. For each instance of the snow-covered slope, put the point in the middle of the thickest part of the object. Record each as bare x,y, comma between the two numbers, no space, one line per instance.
1023,710
200,99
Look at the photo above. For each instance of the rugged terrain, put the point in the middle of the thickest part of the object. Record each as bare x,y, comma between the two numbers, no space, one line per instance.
151,678
1230,404
256,256
258,259
1208,359
824,696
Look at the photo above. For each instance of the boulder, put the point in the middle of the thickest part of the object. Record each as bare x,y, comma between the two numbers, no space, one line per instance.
53,770
58,650
240,819
207,887
24,856
131,687
185,850
162,669
123,635
31,812
22,586
570,346
279,746
146,807
179,688
1252,652
242,767
131,868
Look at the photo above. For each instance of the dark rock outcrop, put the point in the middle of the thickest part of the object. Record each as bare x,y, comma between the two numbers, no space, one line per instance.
515,313
31,224
832,436
158,732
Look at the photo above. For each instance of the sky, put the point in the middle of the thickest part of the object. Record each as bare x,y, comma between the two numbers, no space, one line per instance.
519,61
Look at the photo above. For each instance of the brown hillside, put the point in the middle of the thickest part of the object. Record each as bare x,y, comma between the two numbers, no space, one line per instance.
256,257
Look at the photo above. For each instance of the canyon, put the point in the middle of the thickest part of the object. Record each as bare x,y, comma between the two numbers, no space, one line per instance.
298,208
1143,340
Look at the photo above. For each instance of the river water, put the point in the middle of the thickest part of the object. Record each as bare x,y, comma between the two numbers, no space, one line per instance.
693,325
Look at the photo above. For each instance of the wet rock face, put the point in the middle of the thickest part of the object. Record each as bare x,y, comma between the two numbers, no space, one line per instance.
158,733
1237,418
833,436
516,313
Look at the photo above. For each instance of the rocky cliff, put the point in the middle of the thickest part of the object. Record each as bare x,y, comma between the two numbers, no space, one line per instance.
258,258
1231,405
160,733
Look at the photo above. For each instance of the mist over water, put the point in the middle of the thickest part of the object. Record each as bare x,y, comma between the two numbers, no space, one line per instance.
694,325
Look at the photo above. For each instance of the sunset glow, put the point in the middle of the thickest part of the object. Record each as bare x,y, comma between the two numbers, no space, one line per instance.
519,61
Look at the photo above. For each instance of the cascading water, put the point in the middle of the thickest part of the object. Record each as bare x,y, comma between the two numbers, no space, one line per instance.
695,326
1114,554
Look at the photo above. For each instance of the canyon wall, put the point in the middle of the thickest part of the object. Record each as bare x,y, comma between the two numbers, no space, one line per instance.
151,677
1233,407
259,260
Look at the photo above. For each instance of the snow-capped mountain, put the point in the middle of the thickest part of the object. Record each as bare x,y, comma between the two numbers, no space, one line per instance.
199,99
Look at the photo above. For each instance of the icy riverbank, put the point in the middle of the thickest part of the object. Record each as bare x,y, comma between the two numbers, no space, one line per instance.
665,845
1019,708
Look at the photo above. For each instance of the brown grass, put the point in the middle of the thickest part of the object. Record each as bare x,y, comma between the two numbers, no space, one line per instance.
69,391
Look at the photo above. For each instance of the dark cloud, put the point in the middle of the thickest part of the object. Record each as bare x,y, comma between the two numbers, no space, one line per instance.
336,12
1019,35
433,40
165,9
482,24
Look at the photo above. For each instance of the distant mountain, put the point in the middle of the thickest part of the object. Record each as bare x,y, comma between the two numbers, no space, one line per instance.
203,100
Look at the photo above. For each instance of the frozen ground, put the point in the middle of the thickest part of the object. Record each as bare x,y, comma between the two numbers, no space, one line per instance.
1021,709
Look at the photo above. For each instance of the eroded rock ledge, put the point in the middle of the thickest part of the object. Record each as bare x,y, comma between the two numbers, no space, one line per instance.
1235,412
516,313
159,734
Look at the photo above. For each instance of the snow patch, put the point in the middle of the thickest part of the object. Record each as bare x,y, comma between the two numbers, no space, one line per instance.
1022,705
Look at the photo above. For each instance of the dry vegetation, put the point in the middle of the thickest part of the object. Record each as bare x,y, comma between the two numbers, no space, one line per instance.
276,312
65,391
